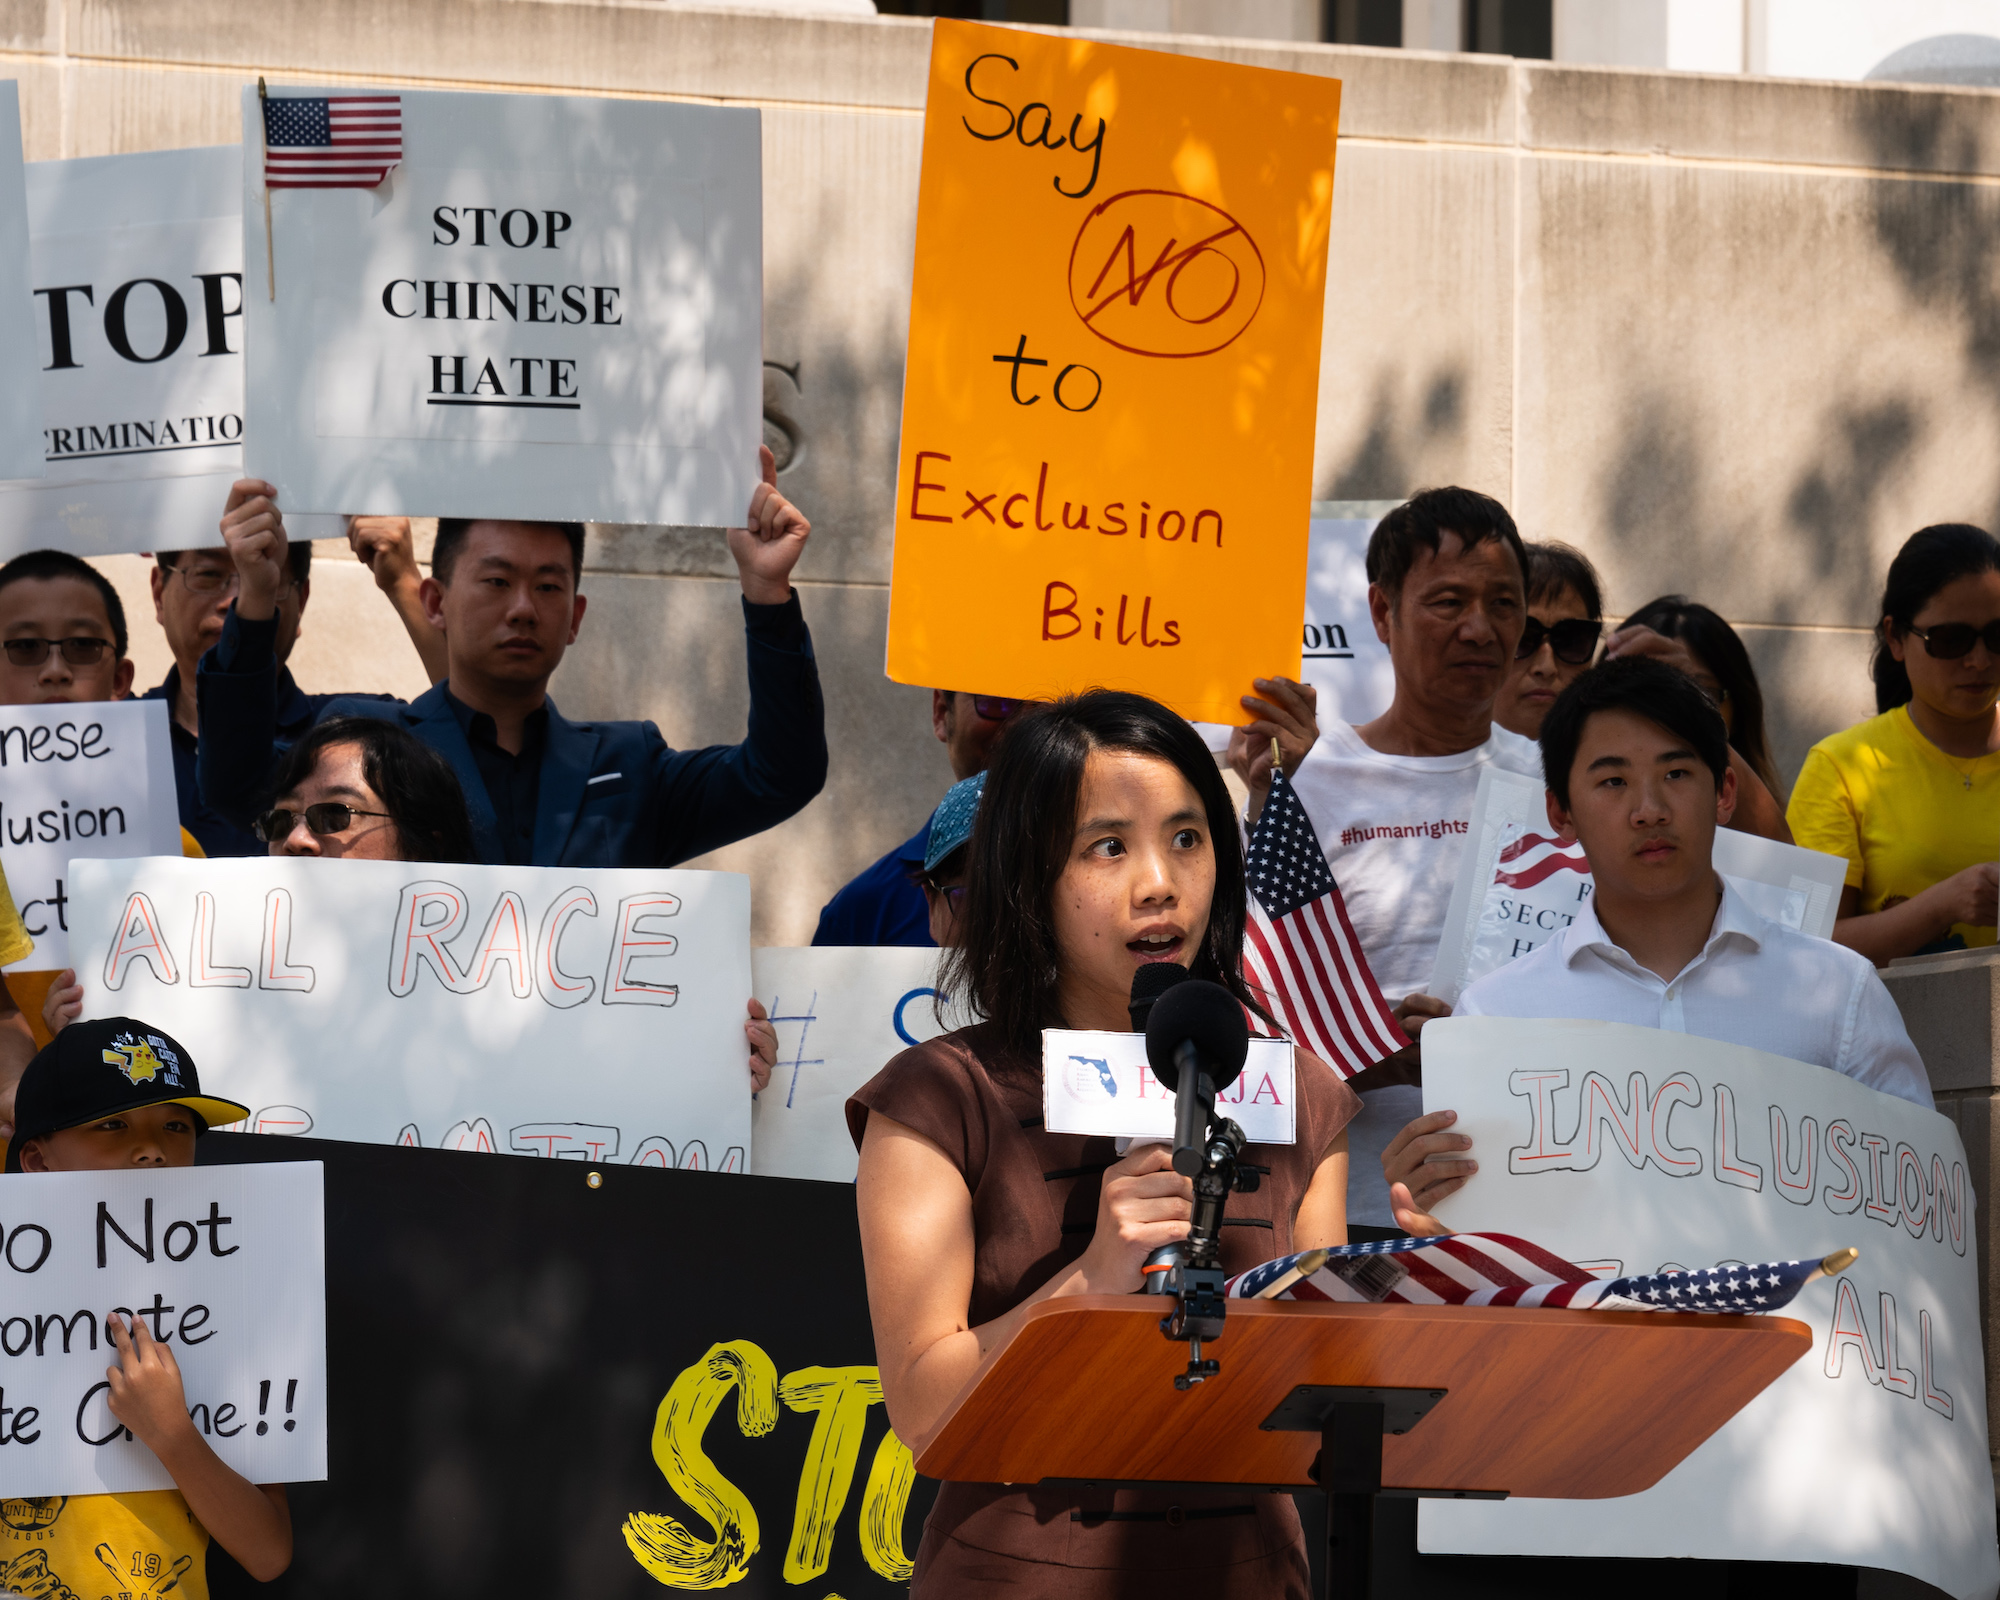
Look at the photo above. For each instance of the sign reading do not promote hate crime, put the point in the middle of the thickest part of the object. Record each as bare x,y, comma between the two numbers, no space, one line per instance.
1113,371
535,306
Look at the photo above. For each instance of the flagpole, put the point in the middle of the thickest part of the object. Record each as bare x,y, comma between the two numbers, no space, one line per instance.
264,144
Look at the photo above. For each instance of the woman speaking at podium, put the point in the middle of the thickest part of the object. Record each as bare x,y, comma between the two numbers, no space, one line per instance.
1105,839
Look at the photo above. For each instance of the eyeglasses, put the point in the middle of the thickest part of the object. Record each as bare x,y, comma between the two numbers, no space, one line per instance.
208,580
78,652
1948,641
993,709
329,816
1574,640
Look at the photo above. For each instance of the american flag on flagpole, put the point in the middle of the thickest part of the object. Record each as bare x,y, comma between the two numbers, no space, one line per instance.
1299,950
1498,1269
335,141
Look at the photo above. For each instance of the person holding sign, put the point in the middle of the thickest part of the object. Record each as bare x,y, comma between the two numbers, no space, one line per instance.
107,1096
62,629
542,790
1639,775
1104,840
193,595
1909,797
1391,801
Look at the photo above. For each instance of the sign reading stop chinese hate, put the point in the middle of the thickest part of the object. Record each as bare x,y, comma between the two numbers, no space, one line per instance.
1113,371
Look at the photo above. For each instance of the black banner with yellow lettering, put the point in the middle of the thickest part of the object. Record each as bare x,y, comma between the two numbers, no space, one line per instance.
579,1383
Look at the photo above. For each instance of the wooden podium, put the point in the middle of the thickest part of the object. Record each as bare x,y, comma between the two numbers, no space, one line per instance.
1450,1401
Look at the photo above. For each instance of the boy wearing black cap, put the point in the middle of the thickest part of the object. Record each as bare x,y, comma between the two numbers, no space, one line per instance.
109,1095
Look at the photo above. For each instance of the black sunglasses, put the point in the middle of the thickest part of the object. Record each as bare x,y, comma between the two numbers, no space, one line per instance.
1574,640
1948,641
329,816
994,709
78,652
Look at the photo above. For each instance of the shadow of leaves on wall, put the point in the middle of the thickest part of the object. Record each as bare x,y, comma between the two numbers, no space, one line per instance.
1392,456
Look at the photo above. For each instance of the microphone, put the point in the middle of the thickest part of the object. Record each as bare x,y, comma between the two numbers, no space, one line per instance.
1151,981
1196,1043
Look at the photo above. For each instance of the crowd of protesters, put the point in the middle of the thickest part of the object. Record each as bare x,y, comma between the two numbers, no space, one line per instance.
1079,839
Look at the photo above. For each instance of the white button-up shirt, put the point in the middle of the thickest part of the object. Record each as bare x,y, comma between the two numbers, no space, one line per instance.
1755,983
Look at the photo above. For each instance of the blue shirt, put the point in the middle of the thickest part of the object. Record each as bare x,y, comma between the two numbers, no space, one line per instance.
882,904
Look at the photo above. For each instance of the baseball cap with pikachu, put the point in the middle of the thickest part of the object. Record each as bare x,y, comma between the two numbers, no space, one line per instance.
96,1082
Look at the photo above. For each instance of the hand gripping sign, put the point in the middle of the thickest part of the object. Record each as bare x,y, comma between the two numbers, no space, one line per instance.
225,1267
1113,371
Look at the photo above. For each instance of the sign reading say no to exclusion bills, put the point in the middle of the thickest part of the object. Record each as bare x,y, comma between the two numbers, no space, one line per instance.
1113,370
551,307
1637,1151
95,779
225,1265
139,322
584,1014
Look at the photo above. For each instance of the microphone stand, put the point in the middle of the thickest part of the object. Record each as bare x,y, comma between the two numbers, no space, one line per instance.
1207,1149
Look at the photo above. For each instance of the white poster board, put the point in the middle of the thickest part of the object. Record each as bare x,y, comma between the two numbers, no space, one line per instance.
227,1266
551,308
95,779
1518,884
842,1013
1342,658
20,409
1642,1150
138,283
585,1014
1102,1083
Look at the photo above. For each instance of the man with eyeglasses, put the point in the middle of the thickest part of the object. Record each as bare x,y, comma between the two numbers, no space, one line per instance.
543,790
886,904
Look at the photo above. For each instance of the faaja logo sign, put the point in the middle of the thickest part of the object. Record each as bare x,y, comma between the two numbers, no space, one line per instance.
1157,273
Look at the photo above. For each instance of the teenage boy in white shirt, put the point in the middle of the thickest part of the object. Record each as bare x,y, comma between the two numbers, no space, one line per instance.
1638,773
1391,800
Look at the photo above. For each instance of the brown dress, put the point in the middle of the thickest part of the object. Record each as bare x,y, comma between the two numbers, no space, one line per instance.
1034,1209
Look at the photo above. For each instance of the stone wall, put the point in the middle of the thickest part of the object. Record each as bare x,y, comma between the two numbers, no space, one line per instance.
1733,337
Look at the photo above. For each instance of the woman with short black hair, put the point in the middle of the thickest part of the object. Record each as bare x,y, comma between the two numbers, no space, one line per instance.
1105,840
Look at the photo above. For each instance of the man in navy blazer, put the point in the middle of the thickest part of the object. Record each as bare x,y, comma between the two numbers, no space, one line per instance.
542,790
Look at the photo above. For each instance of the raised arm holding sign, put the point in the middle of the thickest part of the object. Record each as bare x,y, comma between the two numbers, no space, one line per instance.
543,790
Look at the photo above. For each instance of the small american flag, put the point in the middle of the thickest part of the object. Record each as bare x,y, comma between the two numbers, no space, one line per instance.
1497,1269
1299,949
338,141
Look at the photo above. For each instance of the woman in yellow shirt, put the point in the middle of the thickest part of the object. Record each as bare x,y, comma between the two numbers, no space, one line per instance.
1912,797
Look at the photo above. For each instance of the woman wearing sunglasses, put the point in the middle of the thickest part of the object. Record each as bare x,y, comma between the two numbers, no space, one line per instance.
1911,797
1565,624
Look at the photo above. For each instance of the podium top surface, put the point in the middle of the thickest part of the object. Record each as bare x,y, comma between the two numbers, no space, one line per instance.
1558,1404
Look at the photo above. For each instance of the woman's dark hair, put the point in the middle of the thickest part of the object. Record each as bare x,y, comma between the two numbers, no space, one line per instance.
1649,689
1930,558
1007,965
1675,616
416,784
1554,567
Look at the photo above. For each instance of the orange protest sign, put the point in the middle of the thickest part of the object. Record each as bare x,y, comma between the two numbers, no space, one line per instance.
1113,371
